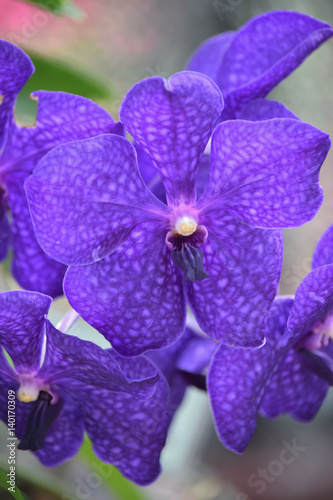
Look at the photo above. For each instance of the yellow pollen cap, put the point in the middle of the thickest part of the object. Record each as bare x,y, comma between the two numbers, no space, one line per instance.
25,398
28,391
186,226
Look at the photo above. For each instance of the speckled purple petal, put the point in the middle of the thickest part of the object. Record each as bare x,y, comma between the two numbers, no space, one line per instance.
172,121
266,172
22,327
15,69
72,364
153,179
244,265
4,233
264,52
203,174
150,175
264,109
7,382
135,296
312,299
64,438
164,362
294,390
31,267
323,253
208,56
60,118
238,379
85,197
126,432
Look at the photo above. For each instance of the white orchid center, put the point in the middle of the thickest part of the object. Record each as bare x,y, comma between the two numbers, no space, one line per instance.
28,391
186,225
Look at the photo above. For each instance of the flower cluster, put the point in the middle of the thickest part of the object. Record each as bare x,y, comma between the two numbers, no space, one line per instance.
187,215
292,372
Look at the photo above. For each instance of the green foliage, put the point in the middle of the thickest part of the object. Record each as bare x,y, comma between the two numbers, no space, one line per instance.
56,76
19,495
59,7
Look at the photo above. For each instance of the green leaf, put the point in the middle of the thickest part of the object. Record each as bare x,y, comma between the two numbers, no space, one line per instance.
56,76
60,8
8,358
18,494
113,481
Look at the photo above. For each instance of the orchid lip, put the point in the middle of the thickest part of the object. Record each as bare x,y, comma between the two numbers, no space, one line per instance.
187,254
42,415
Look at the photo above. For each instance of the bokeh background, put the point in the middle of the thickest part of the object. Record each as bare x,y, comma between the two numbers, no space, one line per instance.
110,45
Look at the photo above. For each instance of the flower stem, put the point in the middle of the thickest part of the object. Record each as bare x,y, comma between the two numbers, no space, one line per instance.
68,321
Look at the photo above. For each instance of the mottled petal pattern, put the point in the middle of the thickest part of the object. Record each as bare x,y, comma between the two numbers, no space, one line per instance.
264,109
264,52
294,390
5,235
238,379
64,438
15,69
135,296
266,172
203,174
164,361
323,253
172,121
128,433
312,300
153,179
244,265
93,194
61,118
150,175
22,327
31,267
7,383
71,363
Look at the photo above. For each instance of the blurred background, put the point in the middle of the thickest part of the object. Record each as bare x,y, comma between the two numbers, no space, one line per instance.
100,49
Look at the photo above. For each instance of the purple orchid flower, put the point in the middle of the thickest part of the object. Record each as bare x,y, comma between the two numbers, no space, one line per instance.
292,372
135,261
248,63
65,386
60,118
